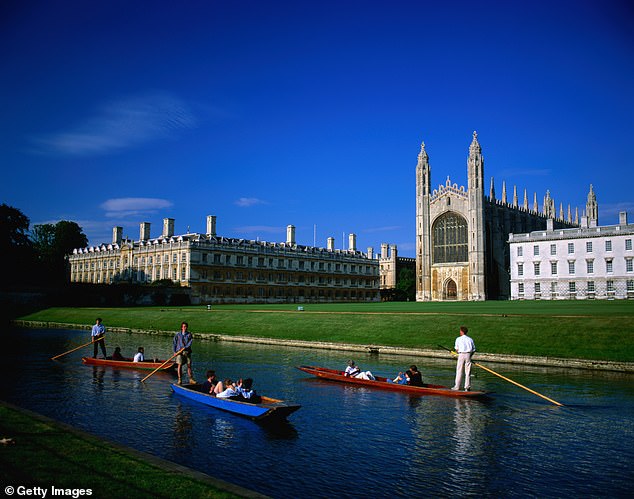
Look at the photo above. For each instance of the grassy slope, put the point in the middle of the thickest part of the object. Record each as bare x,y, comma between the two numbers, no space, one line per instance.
575,329
44,454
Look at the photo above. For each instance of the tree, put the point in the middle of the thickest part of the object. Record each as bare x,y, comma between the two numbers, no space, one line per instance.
68,236
14,228
15,246
43,239
406,284
52,244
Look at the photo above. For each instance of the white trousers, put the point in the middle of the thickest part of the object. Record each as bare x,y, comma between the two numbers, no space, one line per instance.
463,368
365,375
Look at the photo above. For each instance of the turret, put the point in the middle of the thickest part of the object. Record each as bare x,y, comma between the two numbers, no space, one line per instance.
475,173
592,209
423,232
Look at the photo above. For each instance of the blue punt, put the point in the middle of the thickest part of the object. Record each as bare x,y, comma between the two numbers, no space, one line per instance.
269,409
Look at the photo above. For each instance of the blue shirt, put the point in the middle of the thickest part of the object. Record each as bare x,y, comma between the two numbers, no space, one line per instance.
98,329
183,340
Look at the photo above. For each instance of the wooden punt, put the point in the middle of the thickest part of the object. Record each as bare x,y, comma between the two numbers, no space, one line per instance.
129,364
269,409
384,384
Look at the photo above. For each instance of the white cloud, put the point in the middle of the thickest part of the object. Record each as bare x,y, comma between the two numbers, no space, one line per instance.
248,202
122,124
125,207
612,211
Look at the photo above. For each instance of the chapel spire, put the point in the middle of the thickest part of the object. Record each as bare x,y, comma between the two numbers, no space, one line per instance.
475,165
423,171
592,207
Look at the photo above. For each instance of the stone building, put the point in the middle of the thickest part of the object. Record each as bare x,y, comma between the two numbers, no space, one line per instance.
461,234
231,270
587,262
390,267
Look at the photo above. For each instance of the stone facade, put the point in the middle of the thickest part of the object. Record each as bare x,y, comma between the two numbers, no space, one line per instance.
230,270
390,265
589,262
461,234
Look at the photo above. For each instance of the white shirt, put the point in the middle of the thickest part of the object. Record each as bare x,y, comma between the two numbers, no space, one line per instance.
139,357
464,344
229,392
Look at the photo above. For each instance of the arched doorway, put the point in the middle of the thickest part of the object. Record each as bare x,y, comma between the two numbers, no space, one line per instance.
451,290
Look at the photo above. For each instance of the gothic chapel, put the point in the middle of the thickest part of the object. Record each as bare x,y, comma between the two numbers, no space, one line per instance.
461,235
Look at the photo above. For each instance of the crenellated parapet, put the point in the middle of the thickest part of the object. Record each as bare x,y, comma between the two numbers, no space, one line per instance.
448,188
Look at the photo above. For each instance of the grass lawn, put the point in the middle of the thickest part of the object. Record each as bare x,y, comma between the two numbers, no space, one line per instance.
598,330
45,454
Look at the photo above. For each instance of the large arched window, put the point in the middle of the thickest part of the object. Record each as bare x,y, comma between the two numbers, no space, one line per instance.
450,239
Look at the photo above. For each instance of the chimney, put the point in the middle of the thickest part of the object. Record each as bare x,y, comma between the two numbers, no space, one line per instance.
117,235
584,221
145,231
352,242
384,253
211,225
549,225
331,244
168,227
370,252
393,252
623,218
290,234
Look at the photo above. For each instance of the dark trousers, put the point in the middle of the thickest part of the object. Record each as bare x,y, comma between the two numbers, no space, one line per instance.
101,342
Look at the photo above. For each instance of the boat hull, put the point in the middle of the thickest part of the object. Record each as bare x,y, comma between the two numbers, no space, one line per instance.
383,384
268,410
128,364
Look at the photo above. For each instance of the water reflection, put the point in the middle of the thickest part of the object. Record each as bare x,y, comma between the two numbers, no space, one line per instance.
182,428
98,374
381,444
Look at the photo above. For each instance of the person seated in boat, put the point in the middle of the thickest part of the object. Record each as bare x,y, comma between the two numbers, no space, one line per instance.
117,354
246,393
139,356
229,390
411,377
414,377
400,379
209,385
219,388
354,372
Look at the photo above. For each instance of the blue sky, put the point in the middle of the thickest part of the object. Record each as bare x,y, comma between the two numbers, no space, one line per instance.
307,113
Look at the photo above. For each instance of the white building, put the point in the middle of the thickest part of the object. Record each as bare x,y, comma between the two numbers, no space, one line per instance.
581,263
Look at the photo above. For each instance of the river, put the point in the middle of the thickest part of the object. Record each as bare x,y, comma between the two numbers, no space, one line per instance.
345,441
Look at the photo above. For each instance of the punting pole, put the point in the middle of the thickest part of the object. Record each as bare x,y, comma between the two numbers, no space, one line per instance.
74,349
162,365
509,380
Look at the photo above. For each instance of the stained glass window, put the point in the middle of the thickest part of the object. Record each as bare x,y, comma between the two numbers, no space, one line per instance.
450,239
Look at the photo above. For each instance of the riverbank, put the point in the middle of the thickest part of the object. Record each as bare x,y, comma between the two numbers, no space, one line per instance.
603,365
36,451
590,330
